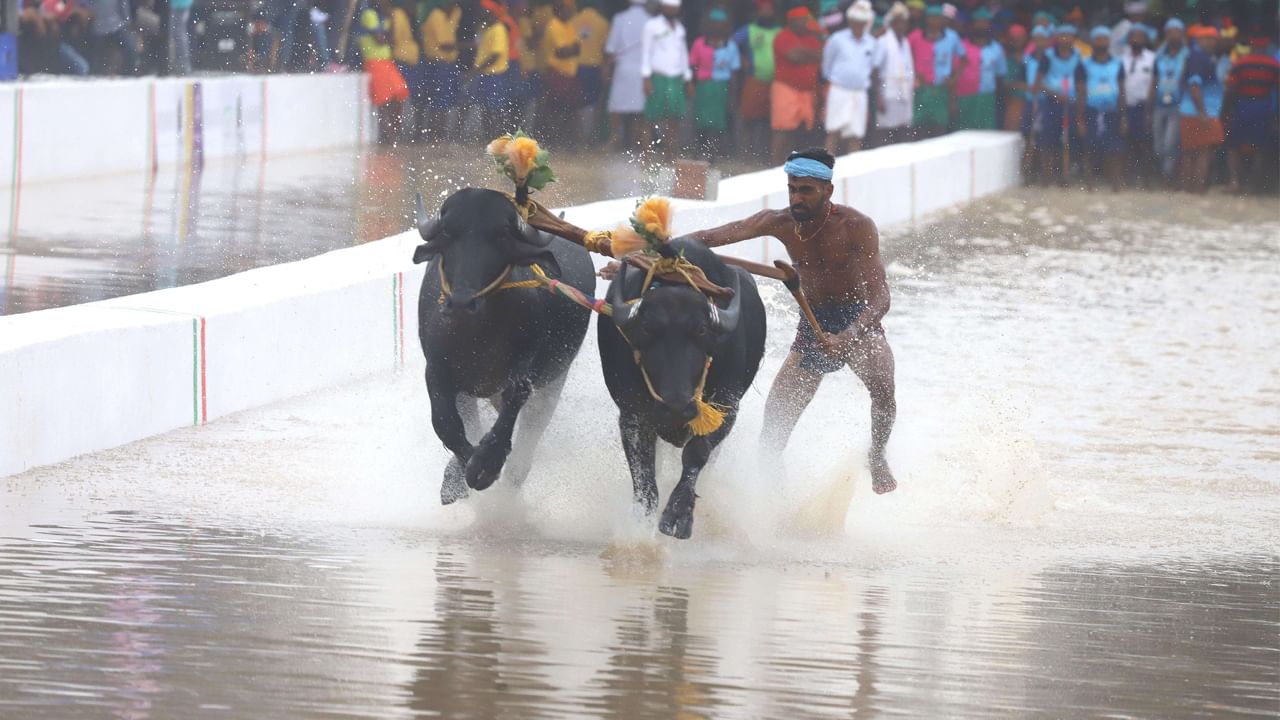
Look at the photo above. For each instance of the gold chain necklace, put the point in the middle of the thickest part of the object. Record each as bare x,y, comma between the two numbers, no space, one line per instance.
802,238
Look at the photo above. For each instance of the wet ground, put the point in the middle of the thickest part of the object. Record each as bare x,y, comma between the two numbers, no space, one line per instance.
1085,524
104,237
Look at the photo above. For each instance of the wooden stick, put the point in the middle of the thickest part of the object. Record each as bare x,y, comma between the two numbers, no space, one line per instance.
782,270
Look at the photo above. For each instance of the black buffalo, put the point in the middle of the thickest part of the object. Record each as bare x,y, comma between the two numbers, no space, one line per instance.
672,333
509,345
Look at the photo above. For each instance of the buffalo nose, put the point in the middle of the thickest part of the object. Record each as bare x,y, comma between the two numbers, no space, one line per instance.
470,306
685,410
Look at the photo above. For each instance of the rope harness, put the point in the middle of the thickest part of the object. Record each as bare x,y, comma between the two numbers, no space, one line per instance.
710,417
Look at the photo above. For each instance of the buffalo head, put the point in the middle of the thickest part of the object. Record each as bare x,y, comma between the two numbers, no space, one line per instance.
673,331
478,237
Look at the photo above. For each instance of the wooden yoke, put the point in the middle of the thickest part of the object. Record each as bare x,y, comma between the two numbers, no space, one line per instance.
543,219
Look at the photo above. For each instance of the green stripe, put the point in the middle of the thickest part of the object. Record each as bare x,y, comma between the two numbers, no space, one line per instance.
395,317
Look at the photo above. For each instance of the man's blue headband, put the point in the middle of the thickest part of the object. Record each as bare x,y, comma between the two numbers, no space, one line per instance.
807,167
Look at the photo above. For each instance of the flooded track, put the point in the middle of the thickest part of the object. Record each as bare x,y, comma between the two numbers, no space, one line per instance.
100,238
1085,524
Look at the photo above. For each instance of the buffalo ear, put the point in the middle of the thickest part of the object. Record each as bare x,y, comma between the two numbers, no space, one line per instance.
423,253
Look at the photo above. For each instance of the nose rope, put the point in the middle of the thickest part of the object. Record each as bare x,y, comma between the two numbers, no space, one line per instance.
446,290
710,416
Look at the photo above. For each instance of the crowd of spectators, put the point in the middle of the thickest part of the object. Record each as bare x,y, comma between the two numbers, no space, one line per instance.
1114,93
159,37
1167,91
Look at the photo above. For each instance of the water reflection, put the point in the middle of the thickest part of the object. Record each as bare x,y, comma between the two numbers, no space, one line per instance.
99,238
135,618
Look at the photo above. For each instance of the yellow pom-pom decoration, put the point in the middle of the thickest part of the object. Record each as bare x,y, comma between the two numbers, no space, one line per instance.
499,146
653,217
626,241
523,161
523,153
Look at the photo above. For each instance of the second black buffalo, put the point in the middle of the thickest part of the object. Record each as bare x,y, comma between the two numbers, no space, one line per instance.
658,353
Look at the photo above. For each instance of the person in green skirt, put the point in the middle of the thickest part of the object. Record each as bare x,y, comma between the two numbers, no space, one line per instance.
937,54
715,63
978,85
664,65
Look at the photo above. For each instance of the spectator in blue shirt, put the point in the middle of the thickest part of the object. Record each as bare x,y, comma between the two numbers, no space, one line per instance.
1166,96
1061,73
1103,124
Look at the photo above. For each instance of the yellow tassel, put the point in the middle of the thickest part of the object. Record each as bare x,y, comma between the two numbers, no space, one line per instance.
626,241
709,418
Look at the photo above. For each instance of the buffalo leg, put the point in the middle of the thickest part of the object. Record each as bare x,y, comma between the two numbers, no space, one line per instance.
529,429
639,441
451,430
677,518
486,462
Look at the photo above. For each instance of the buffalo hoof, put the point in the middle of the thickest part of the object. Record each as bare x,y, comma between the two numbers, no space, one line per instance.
677,518
454,487
485,465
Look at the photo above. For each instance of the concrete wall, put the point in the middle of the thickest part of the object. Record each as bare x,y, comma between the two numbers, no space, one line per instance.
85,378
67,130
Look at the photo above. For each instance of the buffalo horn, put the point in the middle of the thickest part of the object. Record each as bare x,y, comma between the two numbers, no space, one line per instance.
623,314
726,321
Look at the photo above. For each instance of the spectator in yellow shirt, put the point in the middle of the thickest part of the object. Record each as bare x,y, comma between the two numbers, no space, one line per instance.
405,52
387,88
493,57
442,78
593,32
561,98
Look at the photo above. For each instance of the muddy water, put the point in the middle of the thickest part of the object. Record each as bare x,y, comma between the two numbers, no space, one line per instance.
104,237
1085,524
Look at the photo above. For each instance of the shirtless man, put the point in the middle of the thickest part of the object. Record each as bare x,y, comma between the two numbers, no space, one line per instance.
836,250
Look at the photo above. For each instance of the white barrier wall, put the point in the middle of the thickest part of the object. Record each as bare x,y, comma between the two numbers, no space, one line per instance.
85,378
66,130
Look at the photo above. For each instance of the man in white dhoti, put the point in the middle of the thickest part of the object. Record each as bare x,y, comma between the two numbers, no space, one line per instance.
894,101
626,90
848,63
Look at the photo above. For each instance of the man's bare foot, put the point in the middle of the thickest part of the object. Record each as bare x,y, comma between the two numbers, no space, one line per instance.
881,478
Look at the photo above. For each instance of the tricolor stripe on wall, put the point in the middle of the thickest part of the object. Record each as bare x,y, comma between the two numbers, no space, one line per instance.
192,125
199,359
262,148
199,378
15,185
153,162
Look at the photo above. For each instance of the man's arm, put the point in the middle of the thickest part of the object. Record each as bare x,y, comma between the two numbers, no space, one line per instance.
758,225
877,289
